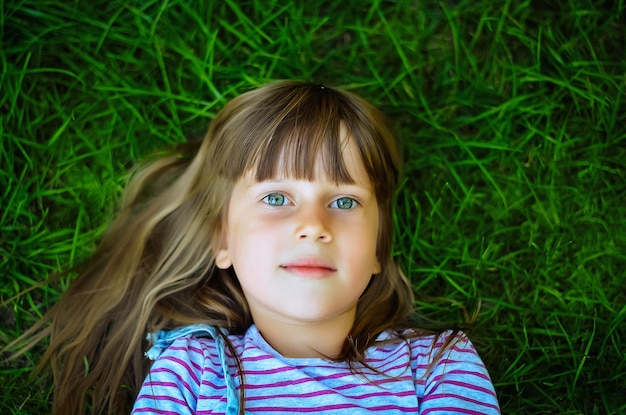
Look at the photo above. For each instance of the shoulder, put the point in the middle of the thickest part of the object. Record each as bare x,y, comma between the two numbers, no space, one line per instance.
182,373
445,352
448,345
450,373
436,348
187,359
196,356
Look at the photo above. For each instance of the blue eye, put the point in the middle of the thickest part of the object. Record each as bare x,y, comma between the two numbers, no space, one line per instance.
276,199
344,203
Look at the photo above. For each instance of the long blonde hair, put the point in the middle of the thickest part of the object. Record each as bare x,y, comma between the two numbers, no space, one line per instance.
154,268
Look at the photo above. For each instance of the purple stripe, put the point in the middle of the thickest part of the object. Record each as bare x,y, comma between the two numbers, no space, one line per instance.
445,376
269,371
436,396
292,382
181,381
154,411
326,367
213,385
390,360
392,350
189,348
378,382
345,373
422,367
421,355
215,398
477,374
403,365
164,398
257,358
465,385
328,392
450,409
183,364
464,350
209,351
332,408
451,361
192,373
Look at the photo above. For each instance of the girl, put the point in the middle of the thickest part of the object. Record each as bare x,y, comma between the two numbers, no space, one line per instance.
259,263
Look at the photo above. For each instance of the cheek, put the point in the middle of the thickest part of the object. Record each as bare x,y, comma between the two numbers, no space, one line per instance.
252,250
383,236
374,238
360,248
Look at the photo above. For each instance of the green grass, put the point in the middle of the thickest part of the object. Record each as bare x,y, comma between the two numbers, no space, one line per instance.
513,116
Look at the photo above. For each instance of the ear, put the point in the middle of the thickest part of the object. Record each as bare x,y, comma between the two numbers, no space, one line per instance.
377,267
222,255
222,259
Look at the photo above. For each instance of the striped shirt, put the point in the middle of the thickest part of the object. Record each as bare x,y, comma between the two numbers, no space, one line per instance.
188,378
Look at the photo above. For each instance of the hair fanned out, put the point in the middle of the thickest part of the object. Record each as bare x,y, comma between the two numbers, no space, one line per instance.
154,268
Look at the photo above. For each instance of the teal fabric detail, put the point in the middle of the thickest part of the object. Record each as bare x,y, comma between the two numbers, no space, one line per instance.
161,340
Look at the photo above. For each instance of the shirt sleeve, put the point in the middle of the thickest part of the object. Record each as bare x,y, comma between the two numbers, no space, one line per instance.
458,382
173,383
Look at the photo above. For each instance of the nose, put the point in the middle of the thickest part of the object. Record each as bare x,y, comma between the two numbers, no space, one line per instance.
313,224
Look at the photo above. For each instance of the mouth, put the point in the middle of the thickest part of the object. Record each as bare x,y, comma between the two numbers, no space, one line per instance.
313,268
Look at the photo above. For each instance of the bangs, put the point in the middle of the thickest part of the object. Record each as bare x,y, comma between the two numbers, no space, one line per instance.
308,134
294,130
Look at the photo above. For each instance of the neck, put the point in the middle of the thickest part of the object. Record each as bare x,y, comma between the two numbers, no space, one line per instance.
305,340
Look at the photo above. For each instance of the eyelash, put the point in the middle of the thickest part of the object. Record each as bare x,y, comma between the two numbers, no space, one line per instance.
267,199
334,204
353,202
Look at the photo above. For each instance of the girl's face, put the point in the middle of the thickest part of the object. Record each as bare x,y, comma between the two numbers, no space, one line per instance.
303,251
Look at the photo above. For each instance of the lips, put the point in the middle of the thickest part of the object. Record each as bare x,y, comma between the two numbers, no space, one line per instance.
313,268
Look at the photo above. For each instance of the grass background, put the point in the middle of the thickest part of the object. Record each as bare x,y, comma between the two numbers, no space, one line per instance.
513,114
